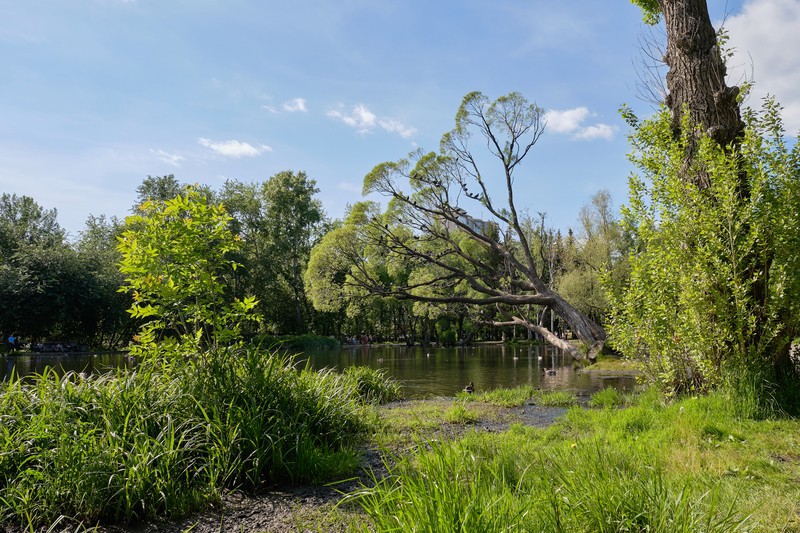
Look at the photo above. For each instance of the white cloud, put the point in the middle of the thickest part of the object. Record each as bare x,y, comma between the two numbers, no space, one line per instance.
763,36
565,121
294,105
234,148
595,131
394,126
365,121
171,159
571,121
361,118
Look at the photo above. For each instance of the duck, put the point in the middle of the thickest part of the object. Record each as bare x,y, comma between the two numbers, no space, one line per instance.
469,389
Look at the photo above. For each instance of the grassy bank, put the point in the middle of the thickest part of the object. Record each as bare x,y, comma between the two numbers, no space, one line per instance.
691,465
169,437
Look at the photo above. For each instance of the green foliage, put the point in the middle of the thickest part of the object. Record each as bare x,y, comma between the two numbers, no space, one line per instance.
608,397
278,221
529,480
55,290
171,436
509,397
175,256
373,386
713,287
651,10
555,398
459,413
654,466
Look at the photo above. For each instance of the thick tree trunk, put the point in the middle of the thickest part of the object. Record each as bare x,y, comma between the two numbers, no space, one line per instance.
588,331
696,77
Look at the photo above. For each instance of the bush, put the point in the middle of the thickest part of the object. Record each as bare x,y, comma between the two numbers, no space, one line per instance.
715,276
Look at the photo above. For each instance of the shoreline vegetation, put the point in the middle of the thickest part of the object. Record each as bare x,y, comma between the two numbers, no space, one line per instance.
173,439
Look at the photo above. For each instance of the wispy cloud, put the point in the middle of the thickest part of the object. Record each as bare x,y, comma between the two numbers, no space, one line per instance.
571,122
167,157
295,105
365,121
233,148
595,131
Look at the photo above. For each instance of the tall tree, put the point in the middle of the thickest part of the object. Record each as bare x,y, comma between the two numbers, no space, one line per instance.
24,222
425,222
712,287
293,223
158,188
696,79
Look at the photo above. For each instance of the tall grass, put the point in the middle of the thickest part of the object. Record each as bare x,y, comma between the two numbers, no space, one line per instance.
168,437
692,465
491,485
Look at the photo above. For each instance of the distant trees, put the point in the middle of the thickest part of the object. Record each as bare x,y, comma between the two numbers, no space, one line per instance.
278,221
428,248
51,289
305,273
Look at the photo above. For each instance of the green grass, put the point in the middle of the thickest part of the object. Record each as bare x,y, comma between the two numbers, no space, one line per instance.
608,397
691,465
169,437
459,413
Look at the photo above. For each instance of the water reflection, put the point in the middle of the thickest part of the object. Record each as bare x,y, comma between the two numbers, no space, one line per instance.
424,372
428,372
23,365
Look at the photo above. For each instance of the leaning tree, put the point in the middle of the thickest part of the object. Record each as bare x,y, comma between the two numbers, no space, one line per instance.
457,257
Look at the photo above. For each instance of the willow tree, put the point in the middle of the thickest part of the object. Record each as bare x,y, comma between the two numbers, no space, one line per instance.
458,258
713,212
696,79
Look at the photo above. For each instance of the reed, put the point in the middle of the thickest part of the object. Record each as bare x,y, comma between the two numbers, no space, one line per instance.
167,438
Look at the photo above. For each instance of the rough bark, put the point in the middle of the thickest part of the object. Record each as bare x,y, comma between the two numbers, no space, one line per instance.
696,77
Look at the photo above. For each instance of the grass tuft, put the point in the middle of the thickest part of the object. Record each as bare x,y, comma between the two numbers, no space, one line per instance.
169,437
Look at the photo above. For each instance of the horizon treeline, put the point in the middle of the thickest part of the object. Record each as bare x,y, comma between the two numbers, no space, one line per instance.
61,290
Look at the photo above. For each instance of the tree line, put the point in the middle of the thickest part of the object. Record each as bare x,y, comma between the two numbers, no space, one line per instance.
61,290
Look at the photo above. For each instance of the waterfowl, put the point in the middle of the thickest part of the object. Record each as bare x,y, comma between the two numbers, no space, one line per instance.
469,388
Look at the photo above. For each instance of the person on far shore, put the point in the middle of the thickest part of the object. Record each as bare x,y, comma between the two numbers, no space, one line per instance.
12,343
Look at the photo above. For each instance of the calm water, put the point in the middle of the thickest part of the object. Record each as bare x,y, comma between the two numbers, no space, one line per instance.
445,371
423,372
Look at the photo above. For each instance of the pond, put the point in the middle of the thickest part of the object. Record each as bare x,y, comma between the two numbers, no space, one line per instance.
423,372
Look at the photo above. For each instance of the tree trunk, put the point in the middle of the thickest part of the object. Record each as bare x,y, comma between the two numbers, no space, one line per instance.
696,78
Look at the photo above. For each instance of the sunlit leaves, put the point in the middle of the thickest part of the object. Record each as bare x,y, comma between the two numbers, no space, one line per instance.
175,261
712,286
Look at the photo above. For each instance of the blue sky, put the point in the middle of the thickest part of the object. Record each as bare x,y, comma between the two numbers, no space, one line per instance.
95,95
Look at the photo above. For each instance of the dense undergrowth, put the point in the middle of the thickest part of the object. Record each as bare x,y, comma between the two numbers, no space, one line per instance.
167,438
690,465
